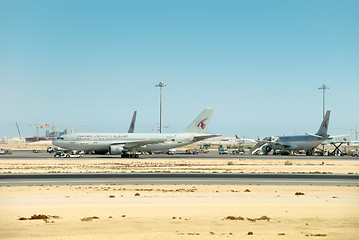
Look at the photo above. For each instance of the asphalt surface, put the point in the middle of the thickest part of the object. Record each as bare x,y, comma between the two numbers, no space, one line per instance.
178,178
212,154
174,178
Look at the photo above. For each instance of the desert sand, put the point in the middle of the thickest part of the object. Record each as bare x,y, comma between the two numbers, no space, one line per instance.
180,212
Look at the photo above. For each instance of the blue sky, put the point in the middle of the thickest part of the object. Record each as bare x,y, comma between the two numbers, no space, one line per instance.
90,64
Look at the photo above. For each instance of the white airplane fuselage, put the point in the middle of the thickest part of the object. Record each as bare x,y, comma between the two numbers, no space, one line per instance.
130,143
300,142
102,142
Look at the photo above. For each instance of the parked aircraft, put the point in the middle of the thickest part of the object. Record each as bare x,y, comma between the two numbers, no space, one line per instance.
300,142
129,144
247,140
355,142
338,139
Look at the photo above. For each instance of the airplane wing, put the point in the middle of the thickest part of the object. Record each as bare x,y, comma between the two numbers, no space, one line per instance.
203,137
134,144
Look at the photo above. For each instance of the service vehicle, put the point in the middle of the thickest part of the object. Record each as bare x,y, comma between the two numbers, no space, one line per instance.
238,152
5,151
59,154
222,151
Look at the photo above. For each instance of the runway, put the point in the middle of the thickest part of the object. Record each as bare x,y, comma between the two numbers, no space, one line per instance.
27,154
178,178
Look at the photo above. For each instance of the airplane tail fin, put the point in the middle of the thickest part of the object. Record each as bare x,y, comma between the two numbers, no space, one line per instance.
131,129
323,129
199,125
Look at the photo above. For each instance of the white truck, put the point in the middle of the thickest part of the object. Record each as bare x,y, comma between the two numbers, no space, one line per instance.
59,154
222,151
5,151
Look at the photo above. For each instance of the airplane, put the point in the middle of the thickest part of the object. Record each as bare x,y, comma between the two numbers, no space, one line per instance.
129,144
338,139
355,142
307,142
131,129
247,140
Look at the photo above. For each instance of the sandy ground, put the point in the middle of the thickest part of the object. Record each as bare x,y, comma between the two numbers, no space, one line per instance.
180,212
191,165
22,145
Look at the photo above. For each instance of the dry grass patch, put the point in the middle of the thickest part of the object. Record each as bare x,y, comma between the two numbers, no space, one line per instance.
234,218
318,235
249,219
38,217
87,219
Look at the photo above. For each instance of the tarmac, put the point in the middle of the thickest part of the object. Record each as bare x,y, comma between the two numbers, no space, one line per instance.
26,154
178,178
23,179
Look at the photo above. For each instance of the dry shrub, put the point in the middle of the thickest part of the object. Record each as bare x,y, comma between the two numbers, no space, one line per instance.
258,219
264,218
288,163
318,235
87,219
40,216
234,218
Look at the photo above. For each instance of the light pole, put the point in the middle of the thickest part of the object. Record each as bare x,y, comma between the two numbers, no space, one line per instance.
323,87
161,85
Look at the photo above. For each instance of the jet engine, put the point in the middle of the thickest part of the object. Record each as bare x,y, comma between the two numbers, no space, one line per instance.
266,149
115,149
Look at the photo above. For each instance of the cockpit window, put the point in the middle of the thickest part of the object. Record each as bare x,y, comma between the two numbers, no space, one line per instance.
61,138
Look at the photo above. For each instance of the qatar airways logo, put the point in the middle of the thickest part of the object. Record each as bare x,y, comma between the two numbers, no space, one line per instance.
201,124
325,124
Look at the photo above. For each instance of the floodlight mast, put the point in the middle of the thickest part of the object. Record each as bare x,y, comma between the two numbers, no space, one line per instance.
323,87
161,85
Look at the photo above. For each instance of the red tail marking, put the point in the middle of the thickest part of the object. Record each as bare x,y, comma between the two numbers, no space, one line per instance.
201,124
325,124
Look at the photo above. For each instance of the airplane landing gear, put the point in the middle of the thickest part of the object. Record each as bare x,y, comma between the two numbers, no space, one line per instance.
309,152
129,155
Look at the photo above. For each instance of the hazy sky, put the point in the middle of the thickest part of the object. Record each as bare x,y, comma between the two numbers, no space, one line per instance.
90,64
